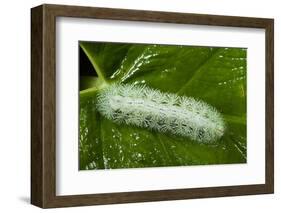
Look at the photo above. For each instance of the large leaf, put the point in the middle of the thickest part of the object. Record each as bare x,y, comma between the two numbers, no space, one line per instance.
215,75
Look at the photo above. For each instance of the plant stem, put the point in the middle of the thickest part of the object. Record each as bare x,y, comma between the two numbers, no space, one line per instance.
95,65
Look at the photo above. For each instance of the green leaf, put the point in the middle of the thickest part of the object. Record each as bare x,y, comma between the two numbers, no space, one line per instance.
215,75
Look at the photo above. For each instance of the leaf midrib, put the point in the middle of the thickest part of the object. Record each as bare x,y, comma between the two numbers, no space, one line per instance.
199,68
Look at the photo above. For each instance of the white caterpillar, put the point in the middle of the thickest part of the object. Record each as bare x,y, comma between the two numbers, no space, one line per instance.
164,112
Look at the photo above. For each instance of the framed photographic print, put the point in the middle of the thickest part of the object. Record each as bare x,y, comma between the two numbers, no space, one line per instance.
135,106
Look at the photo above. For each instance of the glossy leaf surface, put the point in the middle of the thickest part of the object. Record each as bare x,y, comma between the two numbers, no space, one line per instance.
214,75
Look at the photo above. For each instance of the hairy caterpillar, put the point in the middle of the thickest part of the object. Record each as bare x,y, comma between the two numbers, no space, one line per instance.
164,112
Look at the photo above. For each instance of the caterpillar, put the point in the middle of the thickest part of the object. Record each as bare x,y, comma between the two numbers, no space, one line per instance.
144,107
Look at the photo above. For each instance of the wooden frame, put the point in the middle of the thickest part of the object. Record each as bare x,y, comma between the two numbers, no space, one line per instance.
43,97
